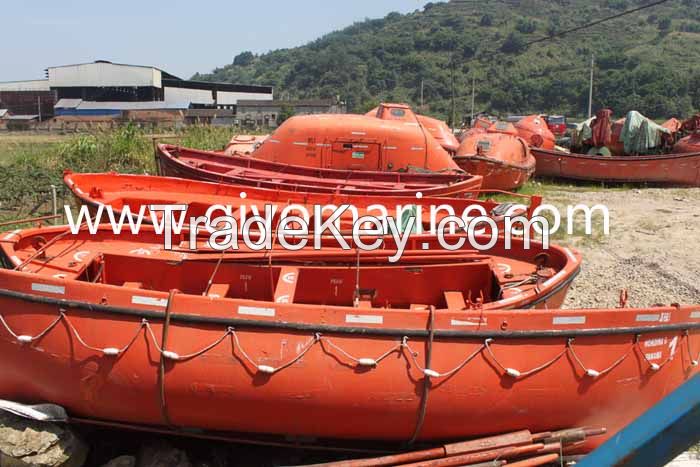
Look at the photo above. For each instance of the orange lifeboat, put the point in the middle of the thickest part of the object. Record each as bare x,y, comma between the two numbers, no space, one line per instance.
437,128
535,131
118,329
243,145
499,155
139,192
175,161
394,140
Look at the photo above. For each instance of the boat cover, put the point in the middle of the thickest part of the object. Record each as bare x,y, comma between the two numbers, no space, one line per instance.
601,128
641,134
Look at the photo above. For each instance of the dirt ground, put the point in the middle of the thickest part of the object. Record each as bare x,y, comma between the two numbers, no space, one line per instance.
652,250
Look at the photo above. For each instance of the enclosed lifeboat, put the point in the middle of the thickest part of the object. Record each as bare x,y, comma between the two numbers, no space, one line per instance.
393,140
437,128
535,131
139,192
243,145
498,155
175,161
134,334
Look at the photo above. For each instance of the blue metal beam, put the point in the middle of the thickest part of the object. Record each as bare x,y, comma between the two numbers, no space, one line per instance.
659,435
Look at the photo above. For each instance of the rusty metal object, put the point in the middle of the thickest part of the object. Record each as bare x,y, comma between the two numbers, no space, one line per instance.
534,461
464,447
479,457
29,220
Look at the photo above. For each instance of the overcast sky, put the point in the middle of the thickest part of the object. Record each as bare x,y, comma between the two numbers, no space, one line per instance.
181,37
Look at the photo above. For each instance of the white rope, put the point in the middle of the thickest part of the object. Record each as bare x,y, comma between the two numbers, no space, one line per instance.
512,372
590,371
110,351
171,355
693,361
364,361
433,373
652,365
360,361
25,339
270,369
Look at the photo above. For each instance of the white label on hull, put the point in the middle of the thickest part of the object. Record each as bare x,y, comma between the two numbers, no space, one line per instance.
569,320
648,318
476,322
55,289
364,319
655,342
150,301
255,311
695,314
653,356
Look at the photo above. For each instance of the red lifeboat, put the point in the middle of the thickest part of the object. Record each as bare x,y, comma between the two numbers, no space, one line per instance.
535,131
393,140
499,155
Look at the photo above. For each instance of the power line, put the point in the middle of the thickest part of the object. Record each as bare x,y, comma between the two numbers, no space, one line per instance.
558,34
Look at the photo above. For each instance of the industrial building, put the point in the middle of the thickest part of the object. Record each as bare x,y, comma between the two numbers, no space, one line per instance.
266,113
104,90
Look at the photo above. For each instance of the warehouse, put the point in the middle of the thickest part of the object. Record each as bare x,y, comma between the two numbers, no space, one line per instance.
104,88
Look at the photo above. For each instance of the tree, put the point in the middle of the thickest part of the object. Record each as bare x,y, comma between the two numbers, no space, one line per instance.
514,43
526,26
244,58
664,24
486,20
286,112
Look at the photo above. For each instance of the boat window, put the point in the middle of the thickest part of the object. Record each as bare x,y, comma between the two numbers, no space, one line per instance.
502,126
398,112
484,145
347,145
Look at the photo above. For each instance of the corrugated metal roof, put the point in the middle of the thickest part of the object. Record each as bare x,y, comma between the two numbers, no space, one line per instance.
22,117
209,113
148,105
67,103
297,103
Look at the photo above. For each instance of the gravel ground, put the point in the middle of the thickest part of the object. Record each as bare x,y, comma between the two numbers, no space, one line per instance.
652,250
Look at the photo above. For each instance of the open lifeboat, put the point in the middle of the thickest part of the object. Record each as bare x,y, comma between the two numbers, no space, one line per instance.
113,333
175,161
394,139
498,155
139,192
681,169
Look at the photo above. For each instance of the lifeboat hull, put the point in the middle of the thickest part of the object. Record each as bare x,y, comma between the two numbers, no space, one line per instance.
281,370
209,166
242,145
497,174
393,140
141,191
503,160
668,169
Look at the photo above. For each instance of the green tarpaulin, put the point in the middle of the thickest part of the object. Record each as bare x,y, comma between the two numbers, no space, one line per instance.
640,134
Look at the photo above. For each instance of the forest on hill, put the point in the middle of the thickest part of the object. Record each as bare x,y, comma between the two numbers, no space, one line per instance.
648,60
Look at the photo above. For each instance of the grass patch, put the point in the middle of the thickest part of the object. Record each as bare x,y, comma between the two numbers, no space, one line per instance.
32,163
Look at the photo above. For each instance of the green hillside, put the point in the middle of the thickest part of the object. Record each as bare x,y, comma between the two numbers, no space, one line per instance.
649,60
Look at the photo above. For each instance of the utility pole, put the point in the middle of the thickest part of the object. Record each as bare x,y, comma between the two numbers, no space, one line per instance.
473,92
590,90
38,105
421,94
452,76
